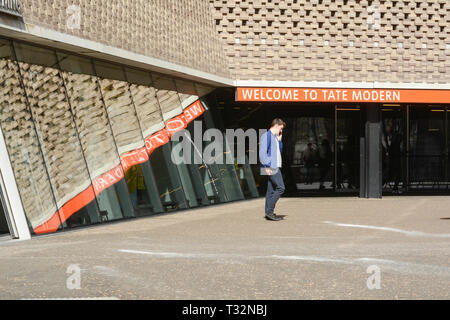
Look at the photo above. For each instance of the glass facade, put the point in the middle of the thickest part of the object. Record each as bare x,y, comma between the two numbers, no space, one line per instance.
415,148
89,141
322,155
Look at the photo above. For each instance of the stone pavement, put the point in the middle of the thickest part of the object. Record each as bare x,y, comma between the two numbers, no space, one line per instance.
325,248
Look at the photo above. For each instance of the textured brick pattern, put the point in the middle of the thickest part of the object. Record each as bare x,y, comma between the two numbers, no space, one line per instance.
23,147
56,131
122,115
147,108
66,139
179,31
343,40
92,123
169,103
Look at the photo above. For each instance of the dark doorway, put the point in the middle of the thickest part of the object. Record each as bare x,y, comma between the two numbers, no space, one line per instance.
4,229
394,148
309,147
415,149
320,143
348,126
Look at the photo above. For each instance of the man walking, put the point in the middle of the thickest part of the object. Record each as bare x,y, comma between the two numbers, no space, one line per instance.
270,156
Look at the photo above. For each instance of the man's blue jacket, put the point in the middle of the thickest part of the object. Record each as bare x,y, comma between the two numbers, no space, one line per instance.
268,150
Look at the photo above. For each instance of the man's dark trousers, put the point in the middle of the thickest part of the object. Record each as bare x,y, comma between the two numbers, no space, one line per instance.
275,188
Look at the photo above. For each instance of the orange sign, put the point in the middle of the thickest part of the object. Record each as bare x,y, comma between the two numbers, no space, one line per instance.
116,174
343,95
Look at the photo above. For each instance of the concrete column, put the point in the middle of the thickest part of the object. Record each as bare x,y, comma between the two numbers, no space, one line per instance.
371,158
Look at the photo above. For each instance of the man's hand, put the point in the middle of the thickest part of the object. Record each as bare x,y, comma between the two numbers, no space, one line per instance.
280,135
268,171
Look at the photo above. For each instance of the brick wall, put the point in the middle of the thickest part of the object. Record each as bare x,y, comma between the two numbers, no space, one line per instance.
326,40
179,31
318,40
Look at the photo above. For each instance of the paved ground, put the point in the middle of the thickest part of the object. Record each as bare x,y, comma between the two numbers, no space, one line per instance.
322,250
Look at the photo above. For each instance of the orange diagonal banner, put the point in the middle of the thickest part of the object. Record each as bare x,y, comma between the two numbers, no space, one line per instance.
127,160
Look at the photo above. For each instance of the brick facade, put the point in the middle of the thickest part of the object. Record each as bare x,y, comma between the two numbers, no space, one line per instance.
318,40
343,40
178,31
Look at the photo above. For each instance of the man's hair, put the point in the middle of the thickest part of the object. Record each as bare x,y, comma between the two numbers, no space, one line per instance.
278,121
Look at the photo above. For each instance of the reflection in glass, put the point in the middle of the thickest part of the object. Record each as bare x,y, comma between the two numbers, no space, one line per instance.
347,141
128,136
70,131
206,175
427,147
167,96
225,172
59,142
313,139
145,102
167,179
98,145
23,148
393,148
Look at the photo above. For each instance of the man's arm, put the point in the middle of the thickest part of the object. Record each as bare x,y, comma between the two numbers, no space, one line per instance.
263,156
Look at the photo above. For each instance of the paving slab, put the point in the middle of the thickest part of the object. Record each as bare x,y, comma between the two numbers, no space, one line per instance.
325,248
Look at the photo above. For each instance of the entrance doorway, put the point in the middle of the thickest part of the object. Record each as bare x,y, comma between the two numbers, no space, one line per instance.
320,143
370,149
415,149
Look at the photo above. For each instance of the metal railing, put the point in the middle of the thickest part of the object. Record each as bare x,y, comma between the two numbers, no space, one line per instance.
12,7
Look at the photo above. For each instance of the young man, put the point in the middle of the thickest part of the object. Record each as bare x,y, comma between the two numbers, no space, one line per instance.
270,149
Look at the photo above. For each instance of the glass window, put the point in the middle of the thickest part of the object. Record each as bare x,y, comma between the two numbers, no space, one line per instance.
135,76
426,147
348,124
75,64
186,91
35,55
24,150
203,90
225,172
167,96
58,138
130,143
205,175
172,108
167,179
156,140
108,70
393,147
97,142
4,228
145,102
